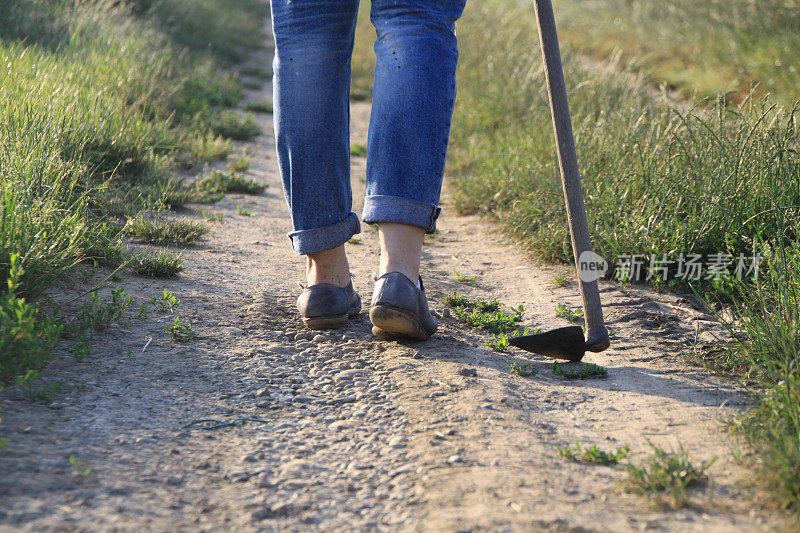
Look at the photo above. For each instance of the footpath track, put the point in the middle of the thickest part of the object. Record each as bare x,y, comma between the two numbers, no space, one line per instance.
346,432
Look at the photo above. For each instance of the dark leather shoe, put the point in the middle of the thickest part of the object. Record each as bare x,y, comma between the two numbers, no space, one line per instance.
327,306
400,310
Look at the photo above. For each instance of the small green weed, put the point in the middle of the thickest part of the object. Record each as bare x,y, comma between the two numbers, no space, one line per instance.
165,232
584,371
593,454
143,314
233,125
46,393
483,314
572,315
157,264
561,278
212,217
493,322
355,240
259,107
221,182
167,302
670,472
498,342
358,150
242,164
242,211
209,148
457,300
524,370
26,340
95,314
461,278
181,332
78,467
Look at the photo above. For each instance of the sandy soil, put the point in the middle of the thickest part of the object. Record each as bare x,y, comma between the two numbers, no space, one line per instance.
360,434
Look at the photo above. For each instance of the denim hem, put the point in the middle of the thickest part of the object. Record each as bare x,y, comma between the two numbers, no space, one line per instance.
309,241
381,208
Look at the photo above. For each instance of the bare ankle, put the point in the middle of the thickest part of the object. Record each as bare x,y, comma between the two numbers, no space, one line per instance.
328,266
401,246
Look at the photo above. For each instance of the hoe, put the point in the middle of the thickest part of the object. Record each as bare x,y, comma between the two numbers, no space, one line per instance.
569,342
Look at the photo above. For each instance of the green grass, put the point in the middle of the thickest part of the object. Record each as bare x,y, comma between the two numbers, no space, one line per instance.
220,181
463,278
498,343
524,370
358,150
181,331
484,315
583,371
241,164
593,454
562,278
667,472
166,302
458,300
723,46
157,264
492,322
573,315
259,107
233,125
83,146
181,232
26,340
767,333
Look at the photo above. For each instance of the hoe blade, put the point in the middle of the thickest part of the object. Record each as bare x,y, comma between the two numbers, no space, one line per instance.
562,343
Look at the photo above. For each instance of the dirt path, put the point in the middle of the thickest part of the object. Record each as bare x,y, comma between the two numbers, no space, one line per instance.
360,434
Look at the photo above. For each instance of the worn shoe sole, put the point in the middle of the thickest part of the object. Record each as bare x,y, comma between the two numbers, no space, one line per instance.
330,322
390,323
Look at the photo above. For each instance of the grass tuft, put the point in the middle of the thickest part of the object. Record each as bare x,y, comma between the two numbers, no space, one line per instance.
233,125
181,331
593,454
667,472
573,315
221,182
523,370
182,232
157,264
584,371
259,107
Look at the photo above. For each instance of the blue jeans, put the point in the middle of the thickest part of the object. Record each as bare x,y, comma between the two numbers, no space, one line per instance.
412,106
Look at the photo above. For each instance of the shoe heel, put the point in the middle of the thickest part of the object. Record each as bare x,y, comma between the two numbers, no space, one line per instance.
328,322
390,323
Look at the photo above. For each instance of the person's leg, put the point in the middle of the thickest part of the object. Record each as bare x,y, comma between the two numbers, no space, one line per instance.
311,84
413,98
412,106
401,246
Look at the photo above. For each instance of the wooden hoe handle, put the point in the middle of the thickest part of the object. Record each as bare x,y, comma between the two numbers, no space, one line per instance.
596,334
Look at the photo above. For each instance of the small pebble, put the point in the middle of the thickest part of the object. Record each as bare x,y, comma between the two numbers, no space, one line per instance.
454,459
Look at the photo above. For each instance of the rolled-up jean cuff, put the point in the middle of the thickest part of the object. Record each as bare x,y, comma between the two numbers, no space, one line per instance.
379,208
309,241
